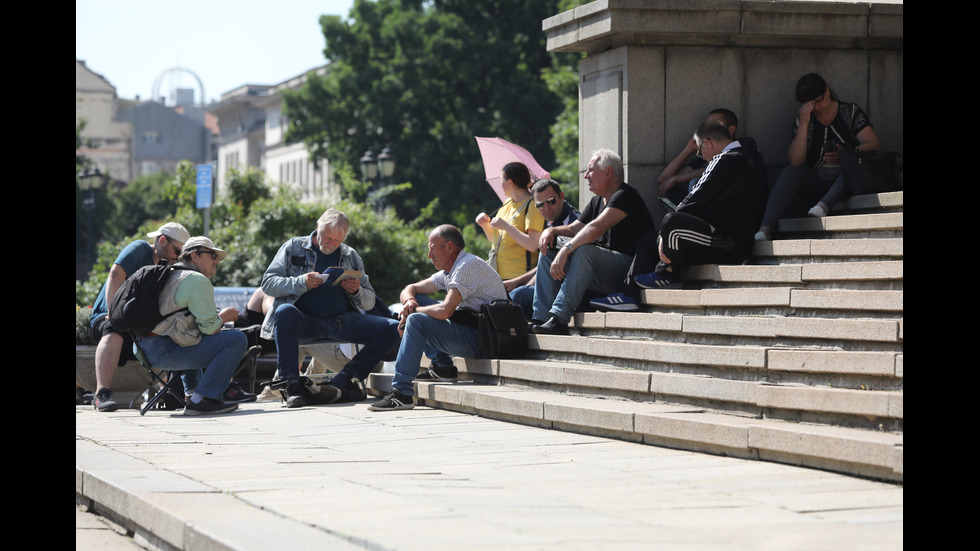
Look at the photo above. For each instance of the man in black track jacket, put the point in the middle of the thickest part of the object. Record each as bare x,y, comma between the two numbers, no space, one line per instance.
714,224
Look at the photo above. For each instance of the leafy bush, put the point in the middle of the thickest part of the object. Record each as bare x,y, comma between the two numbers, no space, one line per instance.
83,331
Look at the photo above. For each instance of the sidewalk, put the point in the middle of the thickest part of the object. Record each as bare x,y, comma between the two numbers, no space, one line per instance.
342,477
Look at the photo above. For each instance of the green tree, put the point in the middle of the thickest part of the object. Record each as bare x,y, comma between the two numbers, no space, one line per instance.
425,78
245,187
146,197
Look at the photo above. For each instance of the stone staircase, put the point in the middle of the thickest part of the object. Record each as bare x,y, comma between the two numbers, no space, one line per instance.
795,356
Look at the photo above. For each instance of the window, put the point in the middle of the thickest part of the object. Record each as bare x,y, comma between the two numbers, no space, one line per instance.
151,137
149,167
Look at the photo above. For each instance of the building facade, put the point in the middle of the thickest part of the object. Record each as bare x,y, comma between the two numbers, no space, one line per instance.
129,138
253,128
106,138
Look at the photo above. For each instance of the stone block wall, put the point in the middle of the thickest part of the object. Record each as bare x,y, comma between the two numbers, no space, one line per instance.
655,68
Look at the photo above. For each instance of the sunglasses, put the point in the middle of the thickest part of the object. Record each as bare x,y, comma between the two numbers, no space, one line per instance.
214,255
551,201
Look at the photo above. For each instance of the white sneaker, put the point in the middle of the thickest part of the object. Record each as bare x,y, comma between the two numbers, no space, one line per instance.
268,394
761,236
817,212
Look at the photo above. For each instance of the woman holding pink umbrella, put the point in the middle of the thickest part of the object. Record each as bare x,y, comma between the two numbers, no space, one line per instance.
515,229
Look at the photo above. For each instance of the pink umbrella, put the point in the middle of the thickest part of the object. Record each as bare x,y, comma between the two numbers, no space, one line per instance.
497,152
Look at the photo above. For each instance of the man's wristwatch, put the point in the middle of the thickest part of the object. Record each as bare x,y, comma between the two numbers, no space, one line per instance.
569,247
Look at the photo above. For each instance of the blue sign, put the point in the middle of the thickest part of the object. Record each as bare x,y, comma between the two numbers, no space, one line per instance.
204,186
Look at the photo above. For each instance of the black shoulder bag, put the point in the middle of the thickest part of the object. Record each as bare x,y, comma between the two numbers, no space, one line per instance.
502,330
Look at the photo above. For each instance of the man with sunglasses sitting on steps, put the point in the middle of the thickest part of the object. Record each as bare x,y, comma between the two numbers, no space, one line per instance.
549,199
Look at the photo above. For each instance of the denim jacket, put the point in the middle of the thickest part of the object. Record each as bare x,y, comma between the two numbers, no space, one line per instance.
285,278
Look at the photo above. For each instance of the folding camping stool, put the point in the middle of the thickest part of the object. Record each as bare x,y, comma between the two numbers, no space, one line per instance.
141,356
249,360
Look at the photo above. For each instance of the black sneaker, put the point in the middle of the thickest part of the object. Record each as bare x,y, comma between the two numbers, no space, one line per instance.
439,374
103,400
234,393
392,401
297,393
208,406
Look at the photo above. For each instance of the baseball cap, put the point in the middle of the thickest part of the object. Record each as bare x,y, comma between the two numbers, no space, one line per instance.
173,231
201,241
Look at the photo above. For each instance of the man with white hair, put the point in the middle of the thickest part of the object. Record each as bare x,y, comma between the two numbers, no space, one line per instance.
114,348
309,307
597,250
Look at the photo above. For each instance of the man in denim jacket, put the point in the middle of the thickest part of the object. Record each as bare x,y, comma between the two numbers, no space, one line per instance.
307,307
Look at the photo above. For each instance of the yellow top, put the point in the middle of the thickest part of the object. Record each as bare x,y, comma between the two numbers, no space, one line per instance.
512,259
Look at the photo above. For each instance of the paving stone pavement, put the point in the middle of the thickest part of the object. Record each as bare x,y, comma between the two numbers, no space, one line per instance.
342,477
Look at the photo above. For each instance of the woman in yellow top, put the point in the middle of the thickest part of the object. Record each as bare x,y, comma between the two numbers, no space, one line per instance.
514,231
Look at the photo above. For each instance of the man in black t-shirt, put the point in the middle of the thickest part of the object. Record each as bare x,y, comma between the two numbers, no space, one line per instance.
597,249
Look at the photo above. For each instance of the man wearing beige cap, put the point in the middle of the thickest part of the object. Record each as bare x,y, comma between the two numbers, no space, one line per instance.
190,337
115,349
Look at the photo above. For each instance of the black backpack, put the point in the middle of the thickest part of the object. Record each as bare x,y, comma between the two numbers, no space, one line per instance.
136,305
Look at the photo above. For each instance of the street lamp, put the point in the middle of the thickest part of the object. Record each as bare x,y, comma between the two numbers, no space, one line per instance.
89,180
377,170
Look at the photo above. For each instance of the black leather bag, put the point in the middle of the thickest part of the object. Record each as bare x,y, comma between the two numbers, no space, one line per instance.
502,330
869,171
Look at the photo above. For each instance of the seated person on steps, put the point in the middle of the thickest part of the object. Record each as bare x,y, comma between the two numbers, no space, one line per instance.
713,224
823,127
549,199
677,173
516,227
307,308
599,250
444,328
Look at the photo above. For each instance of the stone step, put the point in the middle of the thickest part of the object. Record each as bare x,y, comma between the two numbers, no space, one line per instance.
787,297
797,274
849,225
818,250
877,202
747,394
877,454
656,344
678,327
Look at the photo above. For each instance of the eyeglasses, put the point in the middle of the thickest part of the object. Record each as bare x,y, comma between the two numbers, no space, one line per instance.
174,247
551,201
214,255
700,156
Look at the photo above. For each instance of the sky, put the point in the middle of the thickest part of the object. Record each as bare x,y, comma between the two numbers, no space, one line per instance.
226,43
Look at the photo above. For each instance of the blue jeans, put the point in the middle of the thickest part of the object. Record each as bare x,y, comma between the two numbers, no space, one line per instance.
424,333
218,354
590,267
523,296
378,335
191,378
